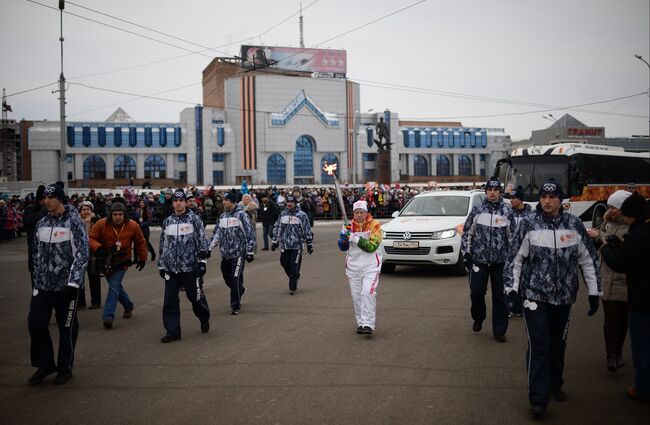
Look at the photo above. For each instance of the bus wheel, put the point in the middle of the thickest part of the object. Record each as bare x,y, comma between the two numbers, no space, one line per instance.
597,217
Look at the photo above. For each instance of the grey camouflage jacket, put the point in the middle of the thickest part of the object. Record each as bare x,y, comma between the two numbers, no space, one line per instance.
486,234
544,259
60,251
292,229
234,233
182,242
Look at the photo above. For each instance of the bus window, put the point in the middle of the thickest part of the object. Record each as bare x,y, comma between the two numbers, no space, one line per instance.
544,172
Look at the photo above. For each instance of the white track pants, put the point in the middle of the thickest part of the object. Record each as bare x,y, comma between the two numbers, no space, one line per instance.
363,288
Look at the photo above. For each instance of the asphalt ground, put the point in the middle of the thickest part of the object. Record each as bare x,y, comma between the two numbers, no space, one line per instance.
297,359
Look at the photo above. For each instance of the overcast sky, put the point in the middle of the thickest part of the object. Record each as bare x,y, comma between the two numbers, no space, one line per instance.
556,52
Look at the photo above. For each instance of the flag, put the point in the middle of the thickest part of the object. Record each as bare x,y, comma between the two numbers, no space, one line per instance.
6,107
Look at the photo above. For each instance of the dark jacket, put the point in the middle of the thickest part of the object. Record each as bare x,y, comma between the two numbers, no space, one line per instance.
486,235
31,216
268,213
631,258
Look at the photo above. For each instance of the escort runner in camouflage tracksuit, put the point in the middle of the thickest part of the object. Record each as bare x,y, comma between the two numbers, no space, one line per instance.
484,244
184,250
290,232
520,210
543,267
59,263
235,235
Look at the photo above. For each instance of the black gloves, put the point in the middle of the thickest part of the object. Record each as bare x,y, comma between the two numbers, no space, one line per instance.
613,241
201,270
467,261
204,255
101,252
594,300
310,249
162,273
249,258
140,265
274,245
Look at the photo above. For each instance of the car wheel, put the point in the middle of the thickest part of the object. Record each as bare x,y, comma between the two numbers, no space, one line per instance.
388,268
459,268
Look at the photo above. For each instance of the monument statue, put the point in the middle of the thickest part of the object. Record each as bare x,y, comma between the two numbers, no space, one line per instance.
383,137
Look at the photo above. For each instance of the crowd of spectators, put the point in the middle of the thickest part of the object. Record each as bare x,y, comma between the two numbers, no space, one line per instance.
320,203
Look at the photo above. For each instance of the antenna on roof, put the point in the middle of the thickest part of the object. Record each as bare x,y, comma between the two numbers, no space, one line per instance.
302,32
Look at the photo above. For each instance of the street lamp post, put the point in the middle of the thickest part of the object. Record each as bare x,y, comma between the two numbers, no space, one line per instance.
639,57
63,175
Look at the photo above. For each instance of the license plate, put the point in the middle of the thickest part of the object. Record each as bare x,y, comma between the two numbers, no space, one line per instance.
406,244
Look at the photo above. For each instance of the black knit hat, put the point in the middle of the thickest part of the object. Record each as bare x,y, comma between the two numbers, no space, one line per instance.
230,196
551,187
635,206
518,193
117,206
492,183
55,191
179,194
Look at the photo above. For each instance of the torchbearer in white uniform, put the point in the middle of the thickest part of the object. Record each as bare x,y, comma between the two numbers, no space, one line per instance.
362,239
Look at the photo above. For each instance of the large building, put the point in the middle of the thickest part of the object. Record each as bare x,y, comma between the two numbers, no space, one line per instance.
274,118
10,154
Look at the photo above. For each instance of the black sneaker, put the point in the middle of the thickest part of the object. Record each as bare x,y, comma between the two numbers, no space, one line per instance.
234,313
128,313
39,376
108,323
500,338
538,411
477,326
205,327
62,378
359,329
366,330
558,395
169,338
292,292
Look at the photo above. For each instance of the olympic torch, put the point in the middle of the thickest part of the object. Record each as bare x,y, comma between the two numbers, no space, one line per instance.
330,169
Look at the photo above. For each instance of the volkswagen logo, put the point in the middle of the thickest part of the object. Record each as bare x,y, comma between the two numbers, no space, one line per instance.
407,236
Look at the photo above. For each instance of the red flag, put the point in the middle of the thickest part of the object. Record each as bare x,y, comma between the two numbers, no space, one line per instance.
6,107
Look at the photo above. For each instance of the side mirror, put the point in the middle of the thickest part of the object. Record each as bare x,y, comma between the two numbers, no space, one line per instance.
395,214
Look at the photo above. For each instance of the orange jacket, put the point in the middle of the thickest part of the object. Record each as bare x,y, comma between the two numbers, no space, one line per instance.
105,234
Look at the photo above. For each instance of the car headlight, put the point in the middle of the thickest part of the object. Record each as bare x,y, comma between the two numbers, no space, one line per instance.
383,234
444,234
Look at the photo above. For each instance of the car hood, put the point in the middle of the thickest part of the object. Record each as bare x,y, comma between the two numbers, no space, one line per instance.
422,224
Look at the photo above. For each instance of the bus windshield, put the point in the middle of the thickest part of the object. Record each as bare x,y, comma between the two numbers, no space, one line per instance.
531,172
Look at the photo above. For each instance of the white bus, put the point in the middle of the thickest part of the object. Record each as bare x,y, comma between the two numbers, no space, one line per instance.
588,174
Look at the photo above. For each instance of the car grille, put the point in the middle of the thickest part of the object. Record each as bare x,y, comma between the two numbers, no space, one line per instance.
414,235
408,251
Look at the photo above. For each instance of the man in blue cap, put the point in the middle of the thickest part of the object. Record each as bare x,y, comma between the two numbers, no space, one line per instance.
484,244
235,236
543,268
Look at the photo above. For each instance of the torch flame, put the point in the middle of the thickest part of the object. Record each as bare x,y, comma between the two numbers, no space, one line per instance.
329,168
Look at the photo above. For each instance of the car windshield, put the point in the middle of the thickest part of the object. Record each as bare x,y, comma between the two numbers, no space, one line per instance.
437,206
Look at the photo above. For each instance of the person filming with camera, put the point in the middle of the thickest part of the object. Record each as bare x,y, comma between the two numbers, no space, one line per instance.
111,239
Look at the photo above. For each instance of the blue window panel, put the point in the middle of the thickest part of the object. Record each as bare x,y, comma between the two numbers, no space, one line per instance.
101,136
370,135
218,178
370,157
443,166
177,136
117,136
276,169
405,134
482,157
303,159
416,138
428,138
420,166
464,166
124,167
85,135
473,139
369,174
182,157
445,136
162,136
330,158
133,136
94,167
483,138
154,167
218,157
221,136
148,137
68,158
457,140
70,135
440,138
411,139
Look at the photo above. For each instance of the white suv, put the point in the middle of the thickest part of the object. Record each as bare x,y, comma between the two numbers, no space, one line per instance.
428,230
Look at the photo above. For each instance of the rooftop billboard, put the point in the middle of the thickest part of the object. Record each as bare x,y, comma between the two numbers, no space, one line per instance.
295,59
